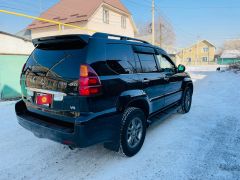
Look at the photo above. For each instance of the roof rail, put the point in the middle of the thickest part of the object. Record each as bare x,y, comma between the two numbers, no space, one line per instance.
124,38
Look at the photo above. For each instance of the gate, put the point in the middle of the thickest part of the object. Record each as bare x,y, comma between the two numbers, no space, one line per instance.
10,70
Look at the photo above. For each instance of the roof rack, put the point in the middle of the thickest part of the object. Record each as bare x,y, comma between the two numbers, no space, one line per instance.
124,38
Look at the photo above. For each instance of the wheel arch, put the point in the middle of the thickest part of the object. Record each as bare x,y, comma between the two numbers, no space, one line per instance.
140,103
187,83
136,99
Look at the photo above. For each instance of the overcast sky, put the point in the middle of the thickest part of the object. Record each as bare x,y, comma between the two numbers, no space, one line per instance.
214,20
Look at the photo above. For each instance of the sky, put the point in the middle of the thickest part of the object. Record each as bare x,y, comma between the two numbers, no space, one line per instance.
192,20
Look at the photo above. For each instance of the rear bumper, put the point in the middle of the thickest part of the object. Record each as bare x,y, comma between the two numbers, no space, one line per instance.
91,131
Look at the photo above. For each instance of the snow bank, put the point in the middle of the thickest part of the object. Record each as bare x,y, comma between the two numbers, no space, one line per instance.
203,144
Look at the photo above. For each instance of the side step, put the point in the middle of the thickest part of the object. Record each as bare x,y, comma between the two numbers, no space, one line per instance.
163,115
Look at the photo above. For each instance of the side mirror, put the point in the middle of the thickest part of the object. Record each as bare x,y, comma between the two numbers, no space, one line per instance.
181,68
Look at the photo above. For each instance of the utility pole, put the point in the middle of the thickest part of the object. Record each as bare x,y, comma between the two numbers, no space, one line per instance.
161,34
153,22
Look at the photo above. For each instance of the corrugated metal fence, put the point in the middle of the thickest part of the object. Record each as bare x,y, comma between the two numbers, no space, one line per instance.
10,69
226,61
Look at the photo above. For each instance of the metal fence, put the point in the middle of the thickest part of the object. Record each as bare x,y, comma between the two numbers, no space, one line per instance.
195,63
10,70
227,61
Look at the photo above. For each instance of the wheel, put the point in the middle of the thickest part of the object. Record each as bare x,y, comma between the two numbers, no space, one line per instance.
133,131
186,101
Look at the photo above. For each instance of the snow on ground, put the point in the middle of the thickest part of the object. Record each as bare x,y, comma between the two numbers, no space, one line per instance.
203,144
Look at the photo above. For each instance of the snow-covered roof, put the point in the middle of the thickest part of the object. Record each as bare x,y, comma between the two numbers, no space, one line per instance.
231,54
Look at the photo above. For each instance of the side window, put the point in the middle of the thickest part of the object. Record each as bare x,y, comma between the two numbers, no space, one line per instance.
148,63
120,59
165,64
138,64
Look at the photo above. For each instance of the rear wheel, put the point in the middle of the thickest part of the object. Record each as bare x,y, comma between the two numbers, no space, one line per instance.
186,100
133,131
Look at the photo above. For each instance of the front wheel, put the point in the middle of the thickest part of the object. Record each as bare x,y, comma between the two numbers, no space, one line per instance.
186,101
133,131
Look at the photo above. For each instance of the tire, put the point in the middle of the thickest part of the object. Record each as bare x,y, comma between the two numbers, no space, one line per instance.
132,132
186,101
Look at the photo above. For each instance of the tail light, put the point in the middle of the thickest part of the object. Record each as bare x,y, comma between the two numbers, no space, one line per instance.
89,82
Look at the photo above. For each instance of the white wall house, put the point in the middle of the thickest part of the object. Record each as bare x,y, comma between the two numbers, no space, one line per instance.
109,16
14,45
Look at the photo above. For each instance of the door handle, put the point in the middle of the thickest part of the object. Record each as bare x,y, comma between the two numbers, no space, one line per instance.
146,80
166,78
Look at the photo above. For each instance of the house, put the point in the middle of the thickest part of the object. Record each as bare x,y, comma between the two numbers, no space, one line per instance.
199,53
25,33
14,51
109,16
229,57
14,45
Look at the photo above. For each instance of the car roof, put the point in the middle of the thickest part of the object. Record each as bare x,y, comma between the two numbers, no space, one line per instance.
126,40
85,38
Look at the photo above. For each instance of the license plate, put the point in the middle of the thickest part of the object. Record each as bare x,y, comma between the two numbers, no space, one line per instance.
44,99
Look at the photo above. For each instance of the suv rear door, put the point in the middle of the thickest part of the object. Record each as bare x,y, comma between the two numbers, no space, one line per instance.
151,78
53,68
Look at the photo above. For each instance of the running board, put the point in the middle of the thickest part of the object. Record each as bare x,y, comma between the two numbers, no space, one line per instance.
163,115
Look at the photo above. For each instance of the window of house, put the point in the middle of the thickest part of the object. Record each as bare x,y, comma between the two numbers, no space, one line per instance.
106,16
123,22
205,49
148,63
205,59
189,59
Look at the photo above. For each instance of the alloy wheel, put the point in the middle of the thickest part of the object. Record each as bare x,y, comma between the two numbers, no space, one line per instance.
134,132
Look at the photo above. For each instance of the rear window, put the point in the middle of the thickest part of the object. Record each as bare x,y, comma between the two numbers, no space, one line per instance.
57,60
120,58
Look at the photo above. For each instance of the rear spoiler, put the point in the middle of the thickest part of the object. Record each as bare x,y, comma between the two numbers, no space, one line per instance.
60,39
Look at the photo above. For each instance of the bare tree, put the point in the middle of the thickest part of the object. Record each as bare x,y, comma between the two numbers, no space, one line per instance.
164,32
232,45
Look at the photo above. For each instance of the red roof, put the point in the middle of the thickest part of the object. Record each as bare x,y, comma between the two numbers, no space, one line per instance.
69,11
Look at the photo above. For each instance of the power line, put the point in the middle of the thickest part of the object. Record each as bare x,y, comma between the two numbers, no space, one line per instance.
142,4
50,13
26,6
186,8
166,19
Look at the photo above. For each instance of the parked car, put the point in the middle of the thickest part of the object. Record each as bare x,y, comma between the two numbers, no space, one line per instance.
81,90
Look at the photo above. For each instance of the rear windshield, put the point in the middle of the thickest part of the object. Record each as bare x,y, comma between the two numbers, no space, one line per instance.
59,60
